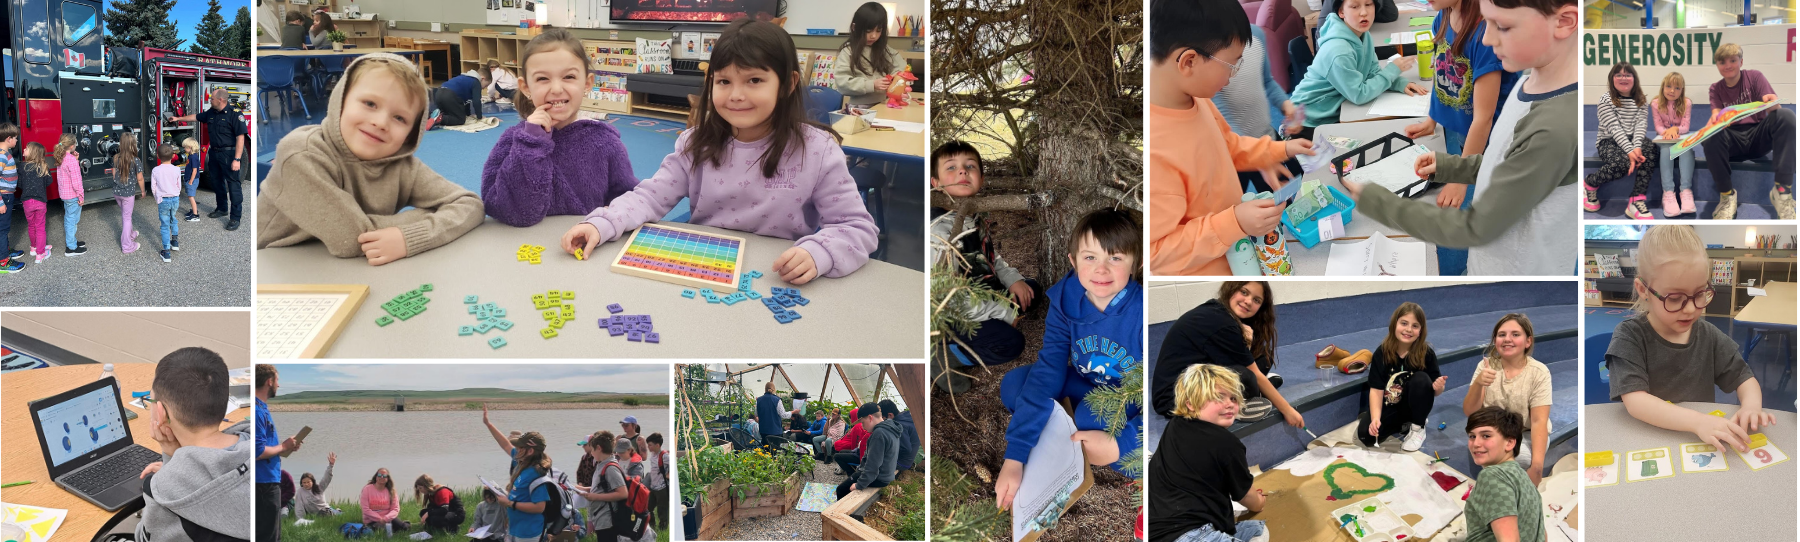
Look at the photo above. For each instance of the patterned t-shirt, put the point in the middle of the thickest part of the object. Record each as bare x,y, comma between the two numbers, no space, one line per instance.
1453,84
1500,491
9,172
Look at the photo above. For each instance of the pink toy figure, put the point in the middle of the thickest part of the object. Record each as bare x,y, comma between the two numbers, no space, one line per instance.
897,94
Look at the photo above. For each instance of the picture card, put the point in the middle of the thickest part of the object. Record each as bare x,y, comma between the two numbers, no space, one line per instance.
1651,464
1600,469
1702,457
1762,453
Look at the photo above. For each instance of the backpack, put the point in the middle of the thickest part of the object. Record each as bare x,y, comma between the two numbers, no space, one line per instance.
629,520
451,514
354,530
559,511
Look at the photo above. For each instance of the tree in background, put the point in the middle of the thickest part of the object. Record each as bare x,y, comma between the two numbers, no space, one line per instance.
212,37
240,34
129,22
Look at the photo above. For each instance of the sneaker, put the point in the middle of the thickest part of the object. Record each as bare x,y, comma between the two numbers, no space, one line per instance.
174,242
14,255
231,226
164,254
79,250
41,257
12,266
1590,194
1671,204
1687,202
1415,437
1727,208
193,216
1638,209
1275,380
1255,410
1783,200
215,214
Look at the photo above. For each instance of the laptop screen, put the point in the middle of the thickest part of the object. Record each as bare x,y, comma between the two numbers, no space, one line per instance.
86,423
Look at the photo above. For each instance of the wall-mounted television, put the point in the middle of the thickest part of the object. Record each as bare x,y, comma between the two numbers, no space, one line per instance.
691,11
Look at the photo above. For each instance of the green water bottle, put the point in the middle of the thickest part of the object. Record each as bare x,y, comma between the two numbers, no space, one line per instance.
1423,39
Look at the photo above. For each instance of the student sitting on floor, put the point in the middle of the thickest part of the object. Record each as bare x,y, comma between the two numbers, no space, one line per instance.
1770,132
1197,210
350,181
1623,115
883,450
957,171
1403,381
554,163
1521,218
1504,505
1672,114
198,491
1345,68
1235,330
1669,352
754,164
1200,467
1510,378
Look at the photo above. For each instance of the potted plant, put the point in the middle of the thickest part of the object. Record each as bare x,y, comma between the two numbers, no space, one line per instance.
337,40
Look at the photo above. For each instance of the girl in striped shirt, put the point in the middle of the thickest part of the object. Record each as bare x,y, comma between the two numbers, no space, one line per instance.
1624,116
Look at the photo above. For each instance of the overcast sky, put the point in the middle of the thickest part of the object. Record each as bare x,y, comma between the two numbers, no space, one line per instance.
619,378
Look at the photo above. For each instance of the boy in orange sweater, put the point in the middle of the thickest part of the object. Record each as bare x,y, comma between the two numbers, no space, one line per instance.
1196,212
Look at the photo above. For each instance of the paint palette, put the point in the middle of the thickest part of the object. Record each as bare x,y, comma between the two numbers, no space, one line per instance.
1372,521
684,257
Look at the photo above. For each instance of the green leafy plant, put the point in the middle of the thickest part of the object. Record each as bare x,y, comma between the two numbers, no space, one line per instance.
953,518
335,36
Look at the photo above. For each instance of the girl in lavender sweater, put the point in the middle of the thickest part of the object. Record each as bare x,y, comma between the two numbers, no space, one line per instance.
755,164
554,163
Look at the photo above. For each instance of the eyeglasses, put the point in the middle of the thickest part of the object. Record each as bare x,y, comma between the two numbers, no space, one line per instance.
1673,302
1234,67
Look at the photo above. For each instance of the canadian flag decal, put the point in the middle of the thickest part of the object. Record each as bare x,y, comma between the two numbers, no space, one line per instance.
74,59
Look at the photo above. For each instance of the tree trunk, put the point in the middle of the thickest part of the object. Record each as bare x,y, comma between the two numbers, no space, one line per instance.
1074,66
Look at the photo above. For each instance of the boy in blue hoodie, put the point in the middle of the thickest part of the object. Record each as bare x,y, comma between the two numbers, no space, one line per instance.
1346,68
1093,336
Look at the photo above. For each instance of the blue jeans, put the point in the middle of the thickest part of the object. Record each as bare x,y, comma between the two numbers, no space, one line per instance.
1246,530
71,219
1685,162
7,199
165,213
1455,261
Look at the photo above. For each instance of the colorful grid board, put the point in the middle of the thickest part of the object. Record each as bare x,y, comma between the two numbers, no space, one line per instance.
684,257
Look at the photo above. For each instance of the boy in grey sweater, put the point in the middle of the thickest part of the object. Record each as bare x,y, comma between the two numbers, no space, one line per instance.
877,468
491,514
201,488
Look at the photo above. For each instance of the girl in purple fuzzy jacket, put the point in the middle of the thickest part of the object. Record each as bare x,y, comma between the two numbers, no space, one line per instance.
754,164
554,163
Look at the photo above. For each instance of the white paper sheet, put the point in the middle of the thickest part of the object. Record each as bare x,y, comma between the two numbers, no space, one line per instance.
1395,172
1398,38
1398,104
900,125
1377,256
39,523
479,532
1055,463
1758,292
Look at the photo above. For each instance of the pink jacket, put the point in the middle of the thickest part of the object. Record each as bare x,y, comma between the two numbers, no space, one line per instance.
68,178
1664,120
378,505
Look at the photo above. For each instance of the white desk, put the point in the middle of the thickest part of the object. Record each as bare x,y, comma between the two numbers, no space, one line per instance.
1312,261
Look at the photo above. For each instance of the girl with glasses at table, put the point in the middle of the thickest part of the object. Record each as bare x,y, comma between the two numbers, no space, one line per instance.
1669,353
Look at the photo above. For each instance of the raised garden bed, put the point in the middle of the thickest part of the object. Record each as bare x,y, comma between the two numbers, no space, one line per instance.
840,519
715,511
765,501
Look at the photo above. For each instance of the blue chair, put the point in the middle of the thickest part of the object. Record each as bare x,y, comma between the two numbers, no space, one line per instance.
262,47
1595,391
276,74
820,103
330,70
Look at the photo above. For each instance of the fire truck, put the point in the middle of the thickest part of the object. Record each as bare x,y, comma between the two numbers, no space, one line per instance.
62,79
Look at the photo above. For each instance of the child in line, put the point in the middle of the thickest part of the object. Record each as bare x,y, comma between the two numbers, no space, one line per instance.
310,500
1671,112
606,489
1403,380
1623,115
656,477
1520,221
9,194
198,491
554,163
74,194
957,171
1504,505
1668,353
165,182
1510,378
865,65
380,505
190,175
34,185
128,183
490,514
350,181
1766,133
1197,210
1345,68
1200,466
754,164
1092,337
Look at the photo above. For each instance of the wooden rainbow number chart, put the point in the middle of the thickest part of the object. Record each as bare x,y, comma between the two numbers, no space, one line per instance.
685,257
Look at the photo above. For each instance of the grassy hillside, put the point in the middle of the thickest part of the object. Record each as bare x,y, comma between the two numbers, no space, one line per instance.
468,395
325,529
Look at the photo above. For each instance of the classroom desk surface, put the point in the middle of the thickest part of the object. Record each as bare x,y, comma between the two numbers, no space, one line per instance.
1311,261
891,145
1750,505
1350,112
317,53
1777,308
875,312
23,459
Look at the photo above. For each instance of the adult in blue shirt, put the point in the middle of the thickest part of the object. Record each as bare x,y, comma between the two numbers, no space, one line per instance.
769,415
524,504
269,447
225,133
458,99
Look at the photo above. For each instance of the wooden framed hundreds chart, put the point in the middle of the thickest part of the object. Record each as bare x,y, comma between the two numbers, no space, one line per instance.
296,321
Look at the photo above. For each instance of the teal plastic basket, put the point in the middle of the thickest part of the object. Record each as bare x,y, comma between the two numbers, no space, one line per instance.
1307,231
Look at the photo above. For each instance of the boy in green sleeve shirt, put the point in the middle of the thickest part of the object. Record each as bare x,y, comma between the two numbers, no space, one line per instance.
1505,505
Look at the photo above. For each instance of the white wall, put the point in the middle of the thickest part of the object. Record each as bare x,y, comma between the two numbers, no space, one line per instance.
808,377
1766,48
1168,300
1733,236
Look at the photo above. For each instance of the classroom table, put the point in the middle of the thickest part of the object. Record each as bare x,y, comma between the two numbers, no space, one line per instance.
896,145
1311,261
328,53
24,460
1739,504
876,312
1380,32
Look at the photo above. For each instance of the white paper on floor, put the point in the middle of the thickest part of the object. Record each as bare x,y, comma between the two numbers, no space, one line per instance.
1377,256
1414,491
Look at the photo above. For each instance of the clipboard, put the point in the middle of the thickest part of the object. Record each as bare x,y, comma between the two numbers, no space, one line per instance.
1087,480
298,437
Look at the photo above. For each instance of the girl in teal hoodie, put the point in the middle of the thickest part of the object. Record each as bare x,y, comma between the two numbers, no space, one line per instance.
1346,68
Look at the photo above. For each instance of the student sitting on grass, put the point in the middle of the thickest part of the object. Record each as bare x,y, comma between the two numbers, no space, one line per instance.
1200,467
353,182
1520,221
381,505
1668,353
1403,381
1345,68
200,489
490,514
310,500
440,510
956,169
1767,133
1504,506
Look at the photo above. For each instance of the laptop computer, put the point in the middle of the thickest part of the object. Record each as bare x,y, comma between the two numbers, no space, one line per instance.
87,444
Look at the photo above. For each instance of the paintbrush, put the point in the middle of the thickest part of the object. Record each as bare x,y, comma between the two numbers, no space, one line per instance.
1308,431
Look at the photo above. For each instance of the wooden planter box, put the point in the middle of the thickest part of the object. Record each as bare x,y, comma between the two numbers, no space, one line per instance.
757,502
715,512
839,521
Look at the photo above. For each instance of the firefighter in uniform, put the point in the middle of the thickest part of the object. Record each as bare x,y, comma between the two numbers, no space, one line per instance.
225,133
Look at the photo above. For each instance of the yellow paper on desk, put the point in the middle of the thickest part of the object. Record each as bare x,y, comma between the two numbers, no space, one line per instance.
848,124
39,523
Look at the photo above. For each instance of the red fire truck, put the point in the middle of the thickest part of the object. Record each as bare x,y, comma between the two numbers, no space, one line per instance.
62,79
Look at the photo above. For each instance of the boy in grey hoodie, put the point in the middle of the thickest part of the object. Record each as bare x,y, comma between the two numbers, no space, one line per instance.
877,468
201,488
